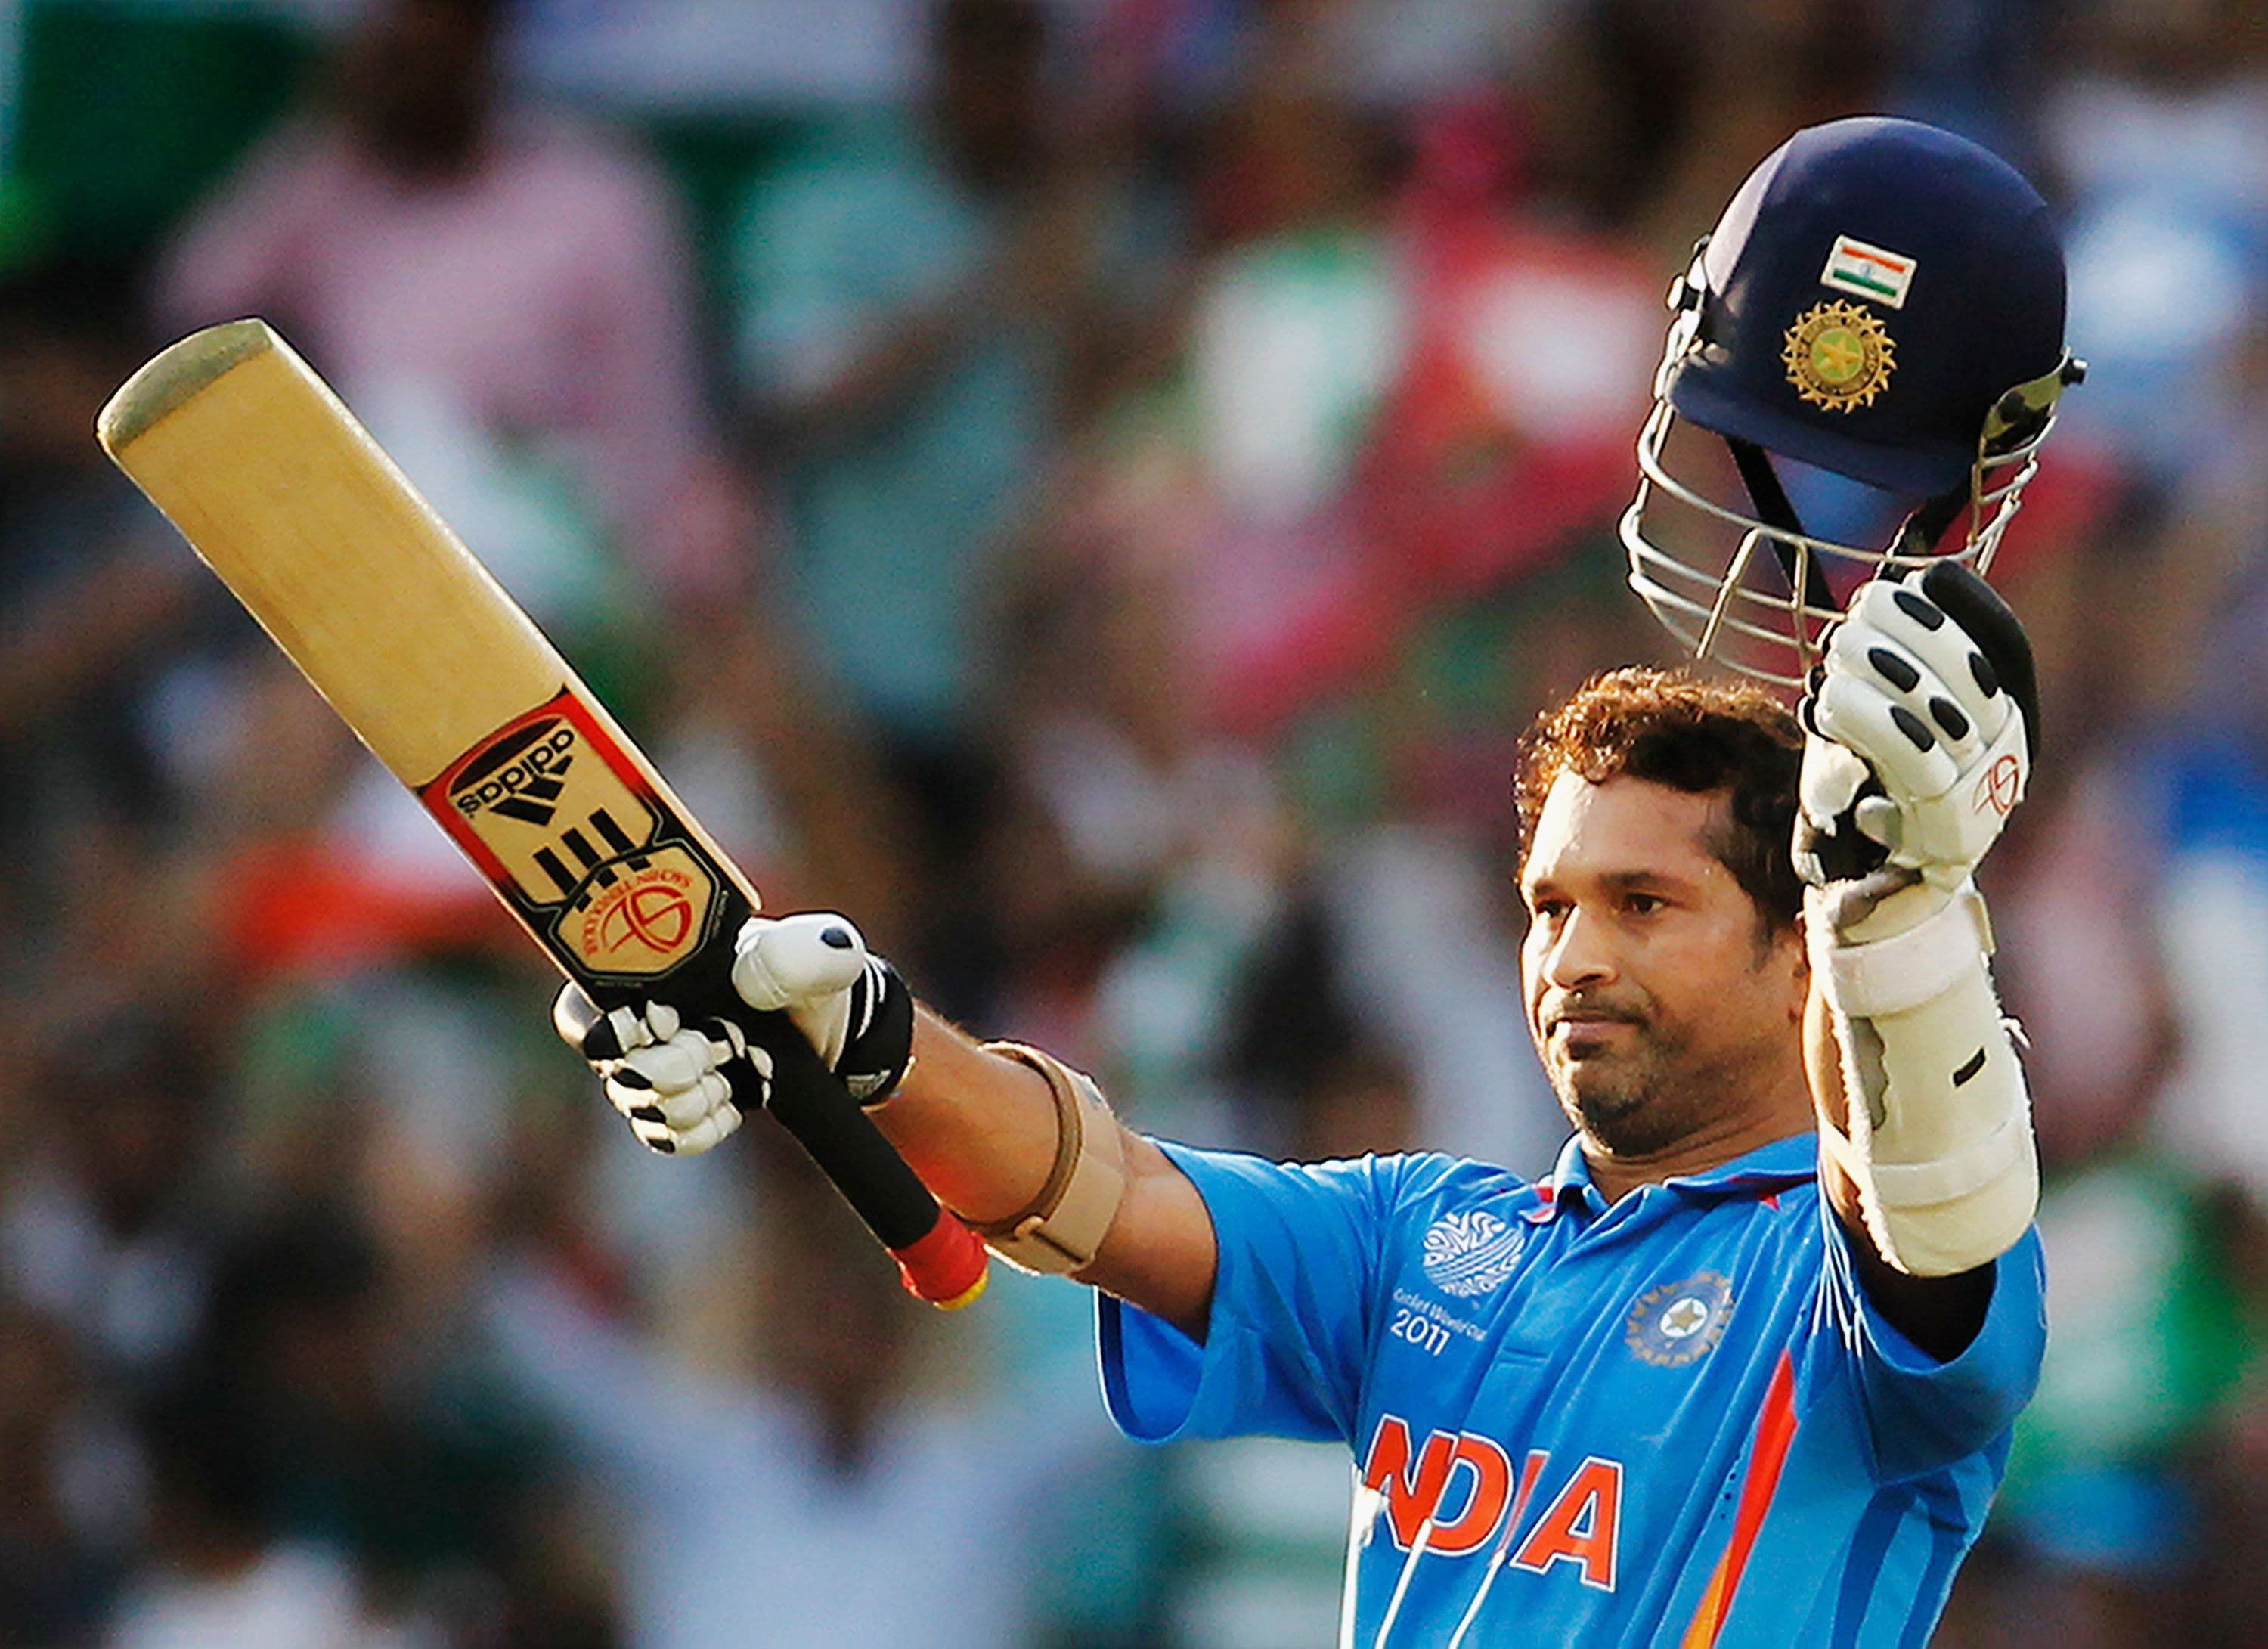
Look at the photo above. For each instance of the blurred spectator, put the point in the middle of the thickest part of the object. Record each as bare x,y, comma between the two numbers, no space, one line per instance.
910,294
102,1223
505,294
1743,77
93,590
1297,328
894,287
2222,1601
1507,433
840,1495
2148,1343
1976,67
353,1435
785,774
2159,129
220,1574
70,1506
1149,852
2210,783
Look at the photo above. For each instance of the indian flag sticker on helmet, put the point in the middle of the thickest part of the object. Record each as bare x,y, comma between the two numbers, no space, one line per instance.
1866,271
1838,356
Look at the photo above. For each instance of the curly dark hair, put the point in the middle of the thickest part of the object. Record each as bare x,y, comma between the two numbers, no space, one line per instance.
1669,728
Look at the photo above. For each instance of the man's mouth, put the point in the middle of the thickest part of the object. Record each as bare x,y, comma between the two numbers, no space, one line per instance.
1583,1030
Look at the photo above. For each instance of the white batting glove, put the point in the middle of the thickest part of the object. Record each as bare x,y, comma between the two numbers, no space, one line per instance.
1919,725
849,1004
684,1087
666,1077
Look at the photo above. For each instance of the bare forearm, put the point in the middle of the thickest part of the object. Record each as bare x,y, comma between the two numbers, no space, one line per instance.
981,1129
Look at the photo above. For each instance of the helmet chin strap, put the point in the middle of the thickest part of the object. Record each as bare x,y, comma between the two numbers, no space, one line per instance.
1926,526
1774,510
1917,535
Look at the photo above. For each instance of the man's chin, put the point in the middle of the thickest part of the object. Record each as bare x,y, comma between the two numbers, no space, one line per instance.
1591,1094
1619,1117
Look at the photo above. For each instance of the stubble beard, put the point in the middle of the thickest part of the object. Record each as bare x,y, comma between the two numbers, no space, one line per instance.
1636,1103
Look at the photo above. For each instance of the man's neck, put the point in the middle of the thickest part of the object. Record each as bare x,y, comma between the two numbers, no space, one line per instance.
1617,1175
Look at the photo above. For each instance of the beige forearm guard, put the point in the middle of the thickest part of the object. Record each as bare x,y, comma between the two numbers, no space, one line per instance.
1940,1136
1061,1230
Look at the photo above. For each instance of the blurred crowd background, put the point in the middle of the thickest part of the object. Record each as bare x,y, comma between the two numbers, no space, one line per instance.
1093,489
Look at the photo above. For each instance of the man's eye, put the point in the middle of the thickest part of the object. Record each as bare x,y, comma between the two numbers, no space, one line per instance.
1548,910
1643,905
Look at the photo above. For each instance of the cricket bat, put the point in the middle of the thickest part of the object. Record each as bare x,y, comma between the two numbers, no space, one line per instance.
285,496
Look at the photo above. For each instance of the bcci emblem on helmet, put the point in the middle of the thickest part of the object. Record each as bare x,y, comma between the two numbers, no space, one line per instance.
1838,356
1680,1322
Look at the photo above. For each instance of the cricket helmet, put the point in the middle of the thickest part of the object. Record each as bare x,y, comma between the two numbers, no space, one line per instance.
1881,302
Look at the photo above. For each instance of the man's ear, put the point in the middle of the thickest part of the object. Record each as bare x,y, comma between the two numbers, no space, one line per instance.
1793,934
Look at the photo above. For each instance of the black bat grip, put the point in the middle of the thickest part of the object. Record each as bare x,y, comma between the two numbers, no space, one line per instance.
941,1258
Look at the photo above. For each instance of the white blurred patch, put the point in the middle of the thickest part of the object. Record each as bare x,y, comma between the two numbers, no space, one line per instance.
1562,358
722,54
1441,984
2213,926
1292,347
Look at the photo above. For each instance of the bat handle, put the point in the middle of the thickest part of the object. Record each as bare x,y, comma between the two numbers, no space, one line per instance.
939,1258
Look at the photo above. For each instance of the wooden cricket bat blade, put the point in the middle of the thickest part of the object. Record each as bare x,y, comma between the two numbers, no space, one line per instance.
436,668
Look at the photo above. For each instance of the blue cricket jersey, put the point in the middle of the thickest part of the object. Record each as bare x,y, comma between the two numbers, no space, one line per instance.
1675,1420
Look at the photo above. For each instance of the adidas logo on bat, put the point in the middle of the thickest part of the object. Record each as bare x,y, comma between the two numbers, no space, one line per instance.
520,778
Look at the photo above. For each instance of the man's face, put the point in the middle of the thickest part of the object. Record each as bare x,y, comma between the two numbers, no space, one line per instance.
1659,1008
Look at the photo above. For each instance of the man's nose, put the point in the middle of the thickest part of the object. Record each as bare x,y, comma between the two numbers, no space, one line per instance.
1580,954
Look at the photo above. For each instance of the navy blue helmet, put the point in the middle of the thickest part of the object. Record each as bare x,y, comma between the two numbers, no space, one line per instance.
1881,302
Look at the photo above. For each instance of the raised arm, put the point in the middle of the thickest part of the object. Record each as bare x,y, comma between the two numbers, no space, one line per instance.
1015,1142
1918,742
982,1129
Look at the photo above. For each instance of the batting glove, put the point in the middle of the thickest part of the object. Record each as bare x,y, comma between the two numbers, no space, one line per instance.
1919,728
849,1004
684,1087
674,1083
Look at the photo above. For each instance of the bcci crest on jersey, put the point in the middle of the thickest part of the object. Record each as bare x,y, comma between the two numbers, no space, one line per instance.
1679,1323
1471,1253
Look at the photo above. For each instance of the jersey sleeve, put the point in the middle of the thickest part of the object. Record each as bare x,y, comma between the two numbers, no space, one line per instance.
1919,1414
1294,1304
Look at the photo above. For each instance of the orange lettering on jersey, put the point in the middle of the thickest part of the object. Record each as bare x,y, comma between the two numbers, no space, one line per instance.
1531,1473
1491,1474
1583,1526
1410,1498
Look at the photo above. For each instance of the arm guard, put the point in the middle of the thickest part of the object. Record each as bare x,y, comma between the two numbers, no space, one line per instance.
1060,1233
1940,1138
